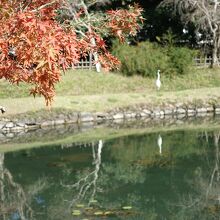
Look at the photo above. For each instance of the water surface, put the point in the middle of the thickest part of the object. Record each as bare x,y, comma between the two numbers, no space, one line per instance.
166,175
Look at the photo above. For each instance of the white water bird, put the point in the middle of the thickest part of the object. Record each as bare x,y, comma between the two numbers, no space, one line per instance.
158,82
159,143
185,31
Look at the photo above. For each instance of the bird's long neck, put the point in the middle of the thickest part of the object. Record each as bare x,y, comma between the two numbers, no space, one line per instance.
158,75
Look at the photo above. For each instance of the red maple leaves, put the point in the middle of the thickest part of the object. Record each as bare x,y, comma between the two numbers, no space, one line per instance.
34,48
40,48
125,22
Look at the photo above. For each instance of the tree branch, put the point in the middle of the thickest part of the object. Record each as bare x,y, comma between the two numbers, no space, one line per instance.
44,6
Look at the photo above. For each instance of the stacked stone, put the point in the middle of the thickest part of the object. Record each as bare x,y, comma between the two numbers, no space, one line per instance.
178,111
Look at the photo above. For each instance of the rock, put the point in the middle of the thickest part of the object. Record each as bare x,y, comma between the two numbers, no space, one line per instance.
47,123
109,117
59,121
134,115
147,112
191,112
72,118
9,125
156,113
100,116
217,111
62,116
86,116
20,124
27,121
162,113
210,109
130,115
118,116
119,121
181,111
201,110
143,115
168,111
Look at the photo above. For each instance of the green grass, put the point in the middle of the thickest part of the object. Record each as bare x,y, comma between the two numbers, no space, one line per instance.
92,83
91,91
84,82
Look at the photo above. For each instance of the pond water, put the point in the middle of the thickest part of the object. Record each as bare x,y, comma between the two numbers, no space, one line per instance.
166,175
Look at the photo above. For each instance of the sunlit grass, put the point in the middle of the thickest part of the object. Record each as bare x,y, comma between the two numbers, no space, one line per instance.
84,90
85,82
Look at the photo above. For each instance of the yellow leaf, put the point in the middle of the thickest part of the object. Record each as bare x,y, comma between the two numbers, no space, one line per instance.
51,53
41,63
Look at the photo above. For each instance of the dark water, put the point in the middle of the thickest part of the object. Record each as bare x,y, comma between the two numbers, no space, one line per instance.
131,177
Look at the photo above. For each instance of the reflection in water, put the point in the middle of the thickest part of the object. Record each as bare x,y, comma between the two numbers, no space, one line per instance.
15,201
13,198
88,183
205,202
159,143
123,178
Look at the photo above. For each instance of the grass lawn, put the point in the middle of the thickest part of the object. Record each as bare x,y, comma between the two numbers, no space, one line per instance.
90,91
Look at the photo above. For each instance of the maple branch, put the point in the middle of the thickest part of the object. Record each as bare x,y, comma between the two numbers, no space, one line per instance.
27,4
44,6
96,2
80,32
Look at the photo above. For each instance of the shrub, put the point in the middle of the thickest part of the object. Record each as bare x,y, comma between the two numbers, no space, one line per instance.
181,59
143,59
146,58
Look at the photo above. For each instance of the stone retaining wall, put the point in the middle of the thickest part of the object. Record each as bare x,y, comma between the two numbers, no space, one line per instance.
178,111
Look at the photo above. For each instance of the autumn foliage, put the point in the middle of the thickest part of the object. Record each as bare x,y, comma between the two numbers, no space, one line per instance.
123,22
35,48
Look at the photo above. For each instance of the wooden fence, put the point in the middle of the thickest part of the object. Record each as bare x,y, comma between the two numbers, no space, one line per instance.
84,64
203,61
199,62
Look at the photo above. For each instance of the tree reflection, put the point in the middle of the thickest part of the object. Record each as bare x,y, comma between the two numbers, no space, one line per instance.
86,186
15,201
14,204
127,171
204,203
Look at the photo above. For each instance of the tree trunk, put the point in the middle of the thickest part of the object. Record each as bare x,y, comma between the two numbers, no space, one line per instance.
2,194
96,57
93,42
216,41
1,177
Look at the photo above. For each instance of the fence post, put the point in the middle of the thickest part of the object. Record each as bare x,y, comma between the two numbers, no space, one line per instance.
90,61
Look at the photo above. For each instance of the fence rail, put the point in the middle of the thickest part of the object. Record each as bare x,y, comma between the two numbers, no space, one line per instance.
84,64
198,62
203,61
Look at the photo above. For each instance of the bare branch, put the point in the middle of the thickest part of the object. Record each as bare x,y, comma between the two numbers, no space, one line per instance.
44,6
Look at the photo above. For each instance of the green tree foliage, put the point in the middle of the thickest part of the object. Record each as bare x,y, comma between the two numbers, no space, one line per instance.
181,59
146,58
204,15
143,59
